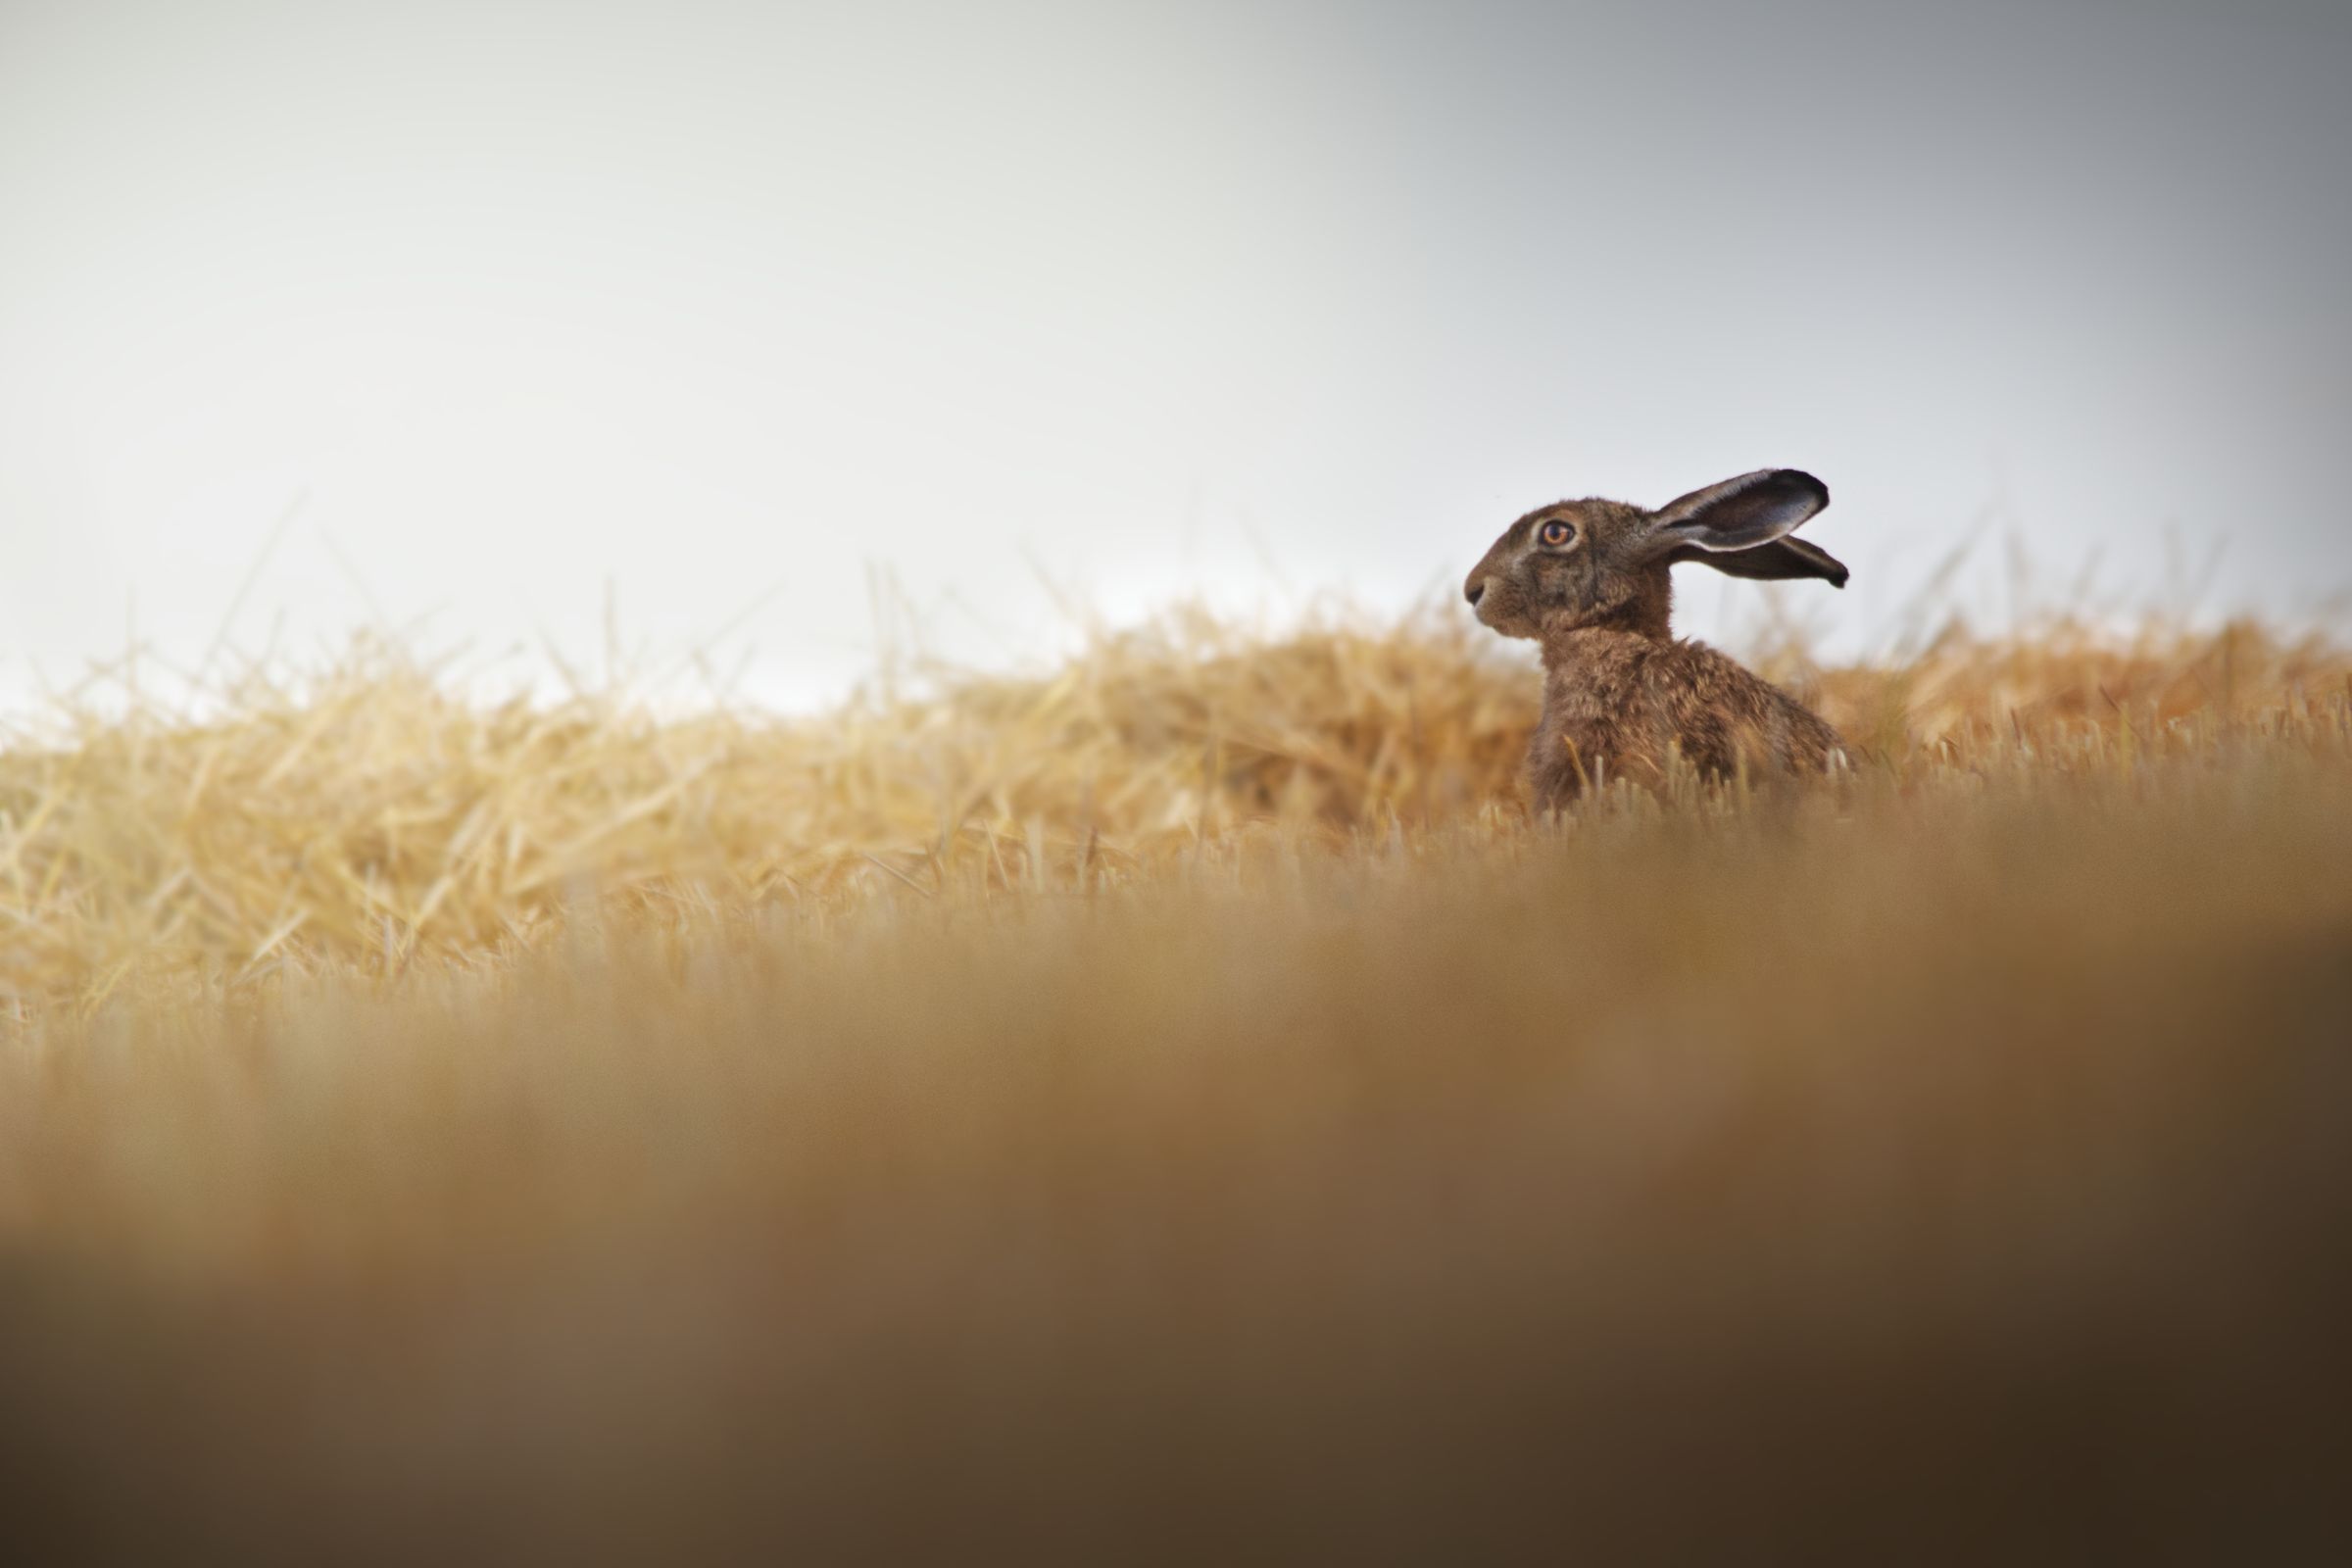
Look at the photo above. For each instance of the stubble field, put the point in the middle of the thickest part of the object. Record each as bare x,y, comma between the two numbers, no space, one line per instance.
1180,1106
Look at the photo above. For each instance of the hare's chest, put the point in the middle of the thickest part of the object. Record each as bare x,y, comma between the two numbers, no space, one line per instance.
1597,700
1597,724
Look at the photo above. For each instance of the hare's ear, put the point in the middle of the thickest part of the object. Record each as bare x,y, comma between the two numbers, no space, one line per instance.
1740,513
1778,561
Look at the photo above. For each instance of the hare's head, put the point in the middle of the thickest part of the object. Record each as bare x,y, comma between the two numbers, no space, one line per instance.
1604,564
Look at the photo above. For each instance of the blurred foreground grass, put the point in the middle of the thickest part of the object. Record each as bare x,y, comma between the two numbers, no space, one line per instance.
1180,1108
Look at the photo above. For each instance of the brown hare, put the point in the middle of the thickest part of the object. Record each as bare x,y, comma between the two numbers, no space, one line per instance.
1587,580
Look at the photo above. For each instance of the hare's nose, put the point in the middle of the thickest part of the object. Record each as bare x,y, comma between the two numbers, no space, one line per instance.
1475,592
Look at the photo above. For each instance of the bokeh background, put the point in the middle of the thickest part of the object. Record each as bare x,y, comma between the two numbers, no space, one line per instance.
477,318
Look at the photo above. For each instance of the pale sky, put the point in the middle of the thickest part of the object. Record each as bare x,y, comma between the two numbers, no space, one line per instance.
1259,302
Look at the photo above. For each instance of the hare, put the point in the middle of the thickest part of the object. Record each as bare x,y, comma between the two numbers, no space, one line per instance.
1587,580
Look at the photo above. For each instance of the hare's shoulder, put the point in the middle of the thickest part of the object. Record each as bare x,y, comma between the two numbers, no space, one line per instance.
1714,677
1723,695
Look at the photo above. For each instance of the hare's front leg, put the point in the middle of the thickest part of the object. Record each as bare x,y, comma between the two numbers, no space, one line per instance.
1560,764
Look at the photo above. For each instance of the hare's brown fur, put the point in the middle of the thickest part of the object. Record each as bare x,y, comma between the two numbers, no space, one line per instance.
1620,693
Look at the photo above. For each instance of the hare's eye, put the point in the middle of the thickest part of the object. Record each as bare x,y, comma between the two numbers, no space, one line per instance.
1556,533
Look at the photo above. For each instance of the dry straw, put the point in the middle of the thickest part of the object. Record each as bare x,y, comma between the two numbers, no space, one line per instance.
1182,1100
374,815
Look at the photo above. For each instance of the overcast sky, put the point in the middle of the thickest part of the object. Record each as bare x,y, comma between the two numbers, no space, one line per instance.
1255,300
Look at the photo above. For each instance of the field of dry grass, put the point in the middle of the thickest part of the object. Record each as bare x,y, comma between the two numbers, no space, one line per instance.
1179,1106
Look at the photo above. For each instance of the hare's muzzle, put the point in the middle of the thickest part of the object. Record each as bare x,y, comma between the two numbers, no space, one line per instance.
1487,603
